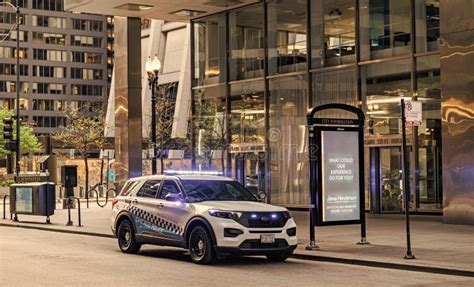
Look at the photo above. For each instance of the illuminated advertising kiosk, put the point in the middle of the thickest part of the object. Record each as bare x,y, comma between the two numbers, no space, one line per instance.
336,151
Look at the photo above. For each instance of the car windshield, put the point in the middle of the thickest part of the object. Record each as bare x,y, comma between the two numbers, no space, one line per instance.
216,190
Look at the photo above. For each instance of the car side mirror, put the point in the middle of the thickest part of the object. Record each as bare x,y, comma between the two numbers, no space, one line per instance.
173,197
261,195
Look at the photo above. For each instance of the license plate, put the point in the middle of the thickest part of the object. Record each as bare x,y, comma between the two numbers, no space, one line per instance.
267,238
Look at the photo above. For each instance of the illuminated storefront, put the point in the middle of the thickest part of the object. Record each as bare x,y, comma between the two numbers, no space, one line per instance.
257,70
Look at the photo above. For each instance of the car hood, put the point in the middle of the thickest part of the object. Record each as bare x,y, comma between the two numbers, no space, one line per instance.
239,206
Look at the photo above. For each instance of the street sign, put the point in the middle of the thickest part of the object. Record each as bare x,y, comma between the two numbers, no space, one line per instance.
111,175
413,113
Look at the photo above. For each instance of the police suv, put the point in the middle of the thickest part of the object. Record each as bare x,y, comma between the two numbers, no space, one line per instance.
211,216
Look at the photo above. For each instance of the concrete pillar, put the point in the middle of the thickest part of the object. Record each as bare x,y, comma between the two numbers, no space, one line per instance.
128,99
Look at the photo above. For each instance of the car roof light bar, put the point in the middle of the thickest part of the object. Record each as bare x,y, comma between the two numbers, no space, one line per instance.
192,172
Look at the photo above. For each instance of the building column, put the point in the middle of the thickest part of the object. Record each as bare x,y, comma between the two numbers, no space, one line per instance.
457,109
128,99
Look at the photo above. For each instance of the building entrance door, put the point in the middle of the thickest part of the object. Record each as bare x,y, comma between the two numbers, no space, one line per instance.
249,170
385,180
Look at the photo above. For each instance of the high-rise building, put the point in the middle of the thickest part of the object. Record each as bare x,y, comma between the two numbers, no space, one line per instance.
63,61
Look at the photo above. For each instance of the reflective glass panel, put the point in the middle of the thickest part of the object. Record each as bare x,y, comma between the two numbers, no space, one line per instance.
384,28
333,32
286,36
246,43
288,140
209,50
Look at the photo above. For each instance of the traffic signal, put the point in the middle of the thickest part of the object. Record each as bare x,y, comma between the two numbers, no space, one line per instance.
8,134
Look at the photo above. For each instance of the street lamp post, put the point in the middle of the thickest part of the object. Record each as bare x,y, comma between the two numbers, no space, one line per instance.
17,23
153,69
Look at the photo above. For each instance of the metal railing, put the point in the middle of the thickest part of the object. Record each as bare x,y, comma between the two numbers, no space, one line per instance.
97,189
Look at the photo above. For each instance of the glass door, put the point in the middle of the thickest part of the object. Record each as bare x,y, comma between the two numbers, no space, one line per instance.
249,170
390,163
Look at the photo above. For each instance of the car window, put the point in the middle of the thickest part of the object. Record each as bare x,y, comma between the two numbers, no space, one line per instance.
168,187
149,189
215,190
128,187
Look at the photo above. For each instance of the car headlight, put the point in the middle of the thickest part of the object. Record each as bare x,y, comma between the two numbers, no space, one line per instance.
287,215
225,214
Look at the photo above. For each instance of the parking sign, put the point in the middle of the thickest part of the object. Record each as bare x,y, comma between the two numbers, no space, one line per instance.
413,113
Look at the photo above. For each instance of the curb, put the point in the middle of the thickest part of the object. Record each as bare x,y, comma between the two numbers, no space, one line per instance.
95,234
318,258
386,265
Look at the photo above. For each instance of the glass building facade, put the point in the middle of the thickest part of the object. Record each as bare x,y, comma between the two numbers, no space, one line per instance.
257,70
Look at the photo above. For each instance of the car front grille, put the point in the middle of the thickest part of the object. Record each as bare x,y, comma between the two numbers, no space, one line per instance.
263,219
256,244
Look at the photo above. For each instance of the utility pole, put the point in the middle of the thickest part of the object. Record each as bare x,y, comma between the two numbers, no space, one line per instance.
18,120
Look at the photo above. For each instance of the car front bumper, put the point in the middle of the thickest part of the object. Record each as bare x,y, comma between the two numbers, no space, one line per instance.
262,250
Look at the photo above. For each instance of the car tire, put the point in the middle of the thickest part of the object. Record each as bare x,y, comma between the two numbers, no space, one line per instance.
126,238
279,257
201,250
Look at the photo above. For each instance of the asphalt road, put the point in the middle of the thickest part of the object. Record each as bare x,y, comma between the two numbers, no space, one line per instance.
41,258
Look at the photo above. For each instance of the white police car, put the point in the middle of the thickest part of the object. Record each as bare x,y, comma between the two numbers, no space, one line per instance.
211,216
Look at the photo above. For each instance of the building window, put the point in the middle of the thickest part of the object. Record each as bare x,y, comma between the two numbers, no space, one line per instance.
86,41
48,21
49,55
286,36
210,125
246,43
86,57
49,88
427,25
288,161
87,25
10,69
334,86
333,32
86,74
385,27
210,49
384,85
49,38
10,87
50,5
10,18
49,72
87,90
49,122
247,113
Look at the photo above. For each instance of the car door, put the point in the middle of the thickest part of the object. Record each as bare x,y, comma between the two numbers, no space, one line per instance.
175,213
144,208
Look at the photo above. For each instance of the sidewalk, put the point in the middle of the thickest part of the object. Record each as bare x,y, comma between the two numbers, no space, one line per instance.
436,245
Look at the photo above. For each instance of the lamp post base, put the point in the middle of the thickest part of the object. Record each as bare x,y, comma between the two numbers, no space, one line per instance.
312,246
363,241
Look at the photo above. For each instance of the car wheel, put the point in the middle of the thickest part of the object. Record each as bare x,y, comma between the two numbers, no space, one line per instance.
200,246
126,237
279,257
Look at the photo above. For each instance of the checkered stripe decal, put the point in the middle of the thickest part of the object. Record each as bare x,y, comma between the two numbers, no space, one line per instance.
155,220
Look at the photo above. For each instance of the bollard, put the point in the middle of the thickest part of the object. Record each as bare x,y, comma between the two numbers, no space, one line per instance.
4,211
69,221
79,212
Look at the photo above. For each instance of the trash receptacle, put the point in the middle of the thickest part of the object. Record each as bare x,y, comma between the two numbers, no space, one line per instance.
36,198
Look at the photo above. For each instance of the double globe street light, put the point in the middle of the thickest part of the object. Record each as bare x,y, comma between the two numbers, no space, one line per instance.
153,69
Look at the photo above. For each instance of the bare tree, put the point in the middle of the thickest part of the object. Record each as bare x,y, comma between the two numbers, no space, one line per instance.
165,106
213,131
84,131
